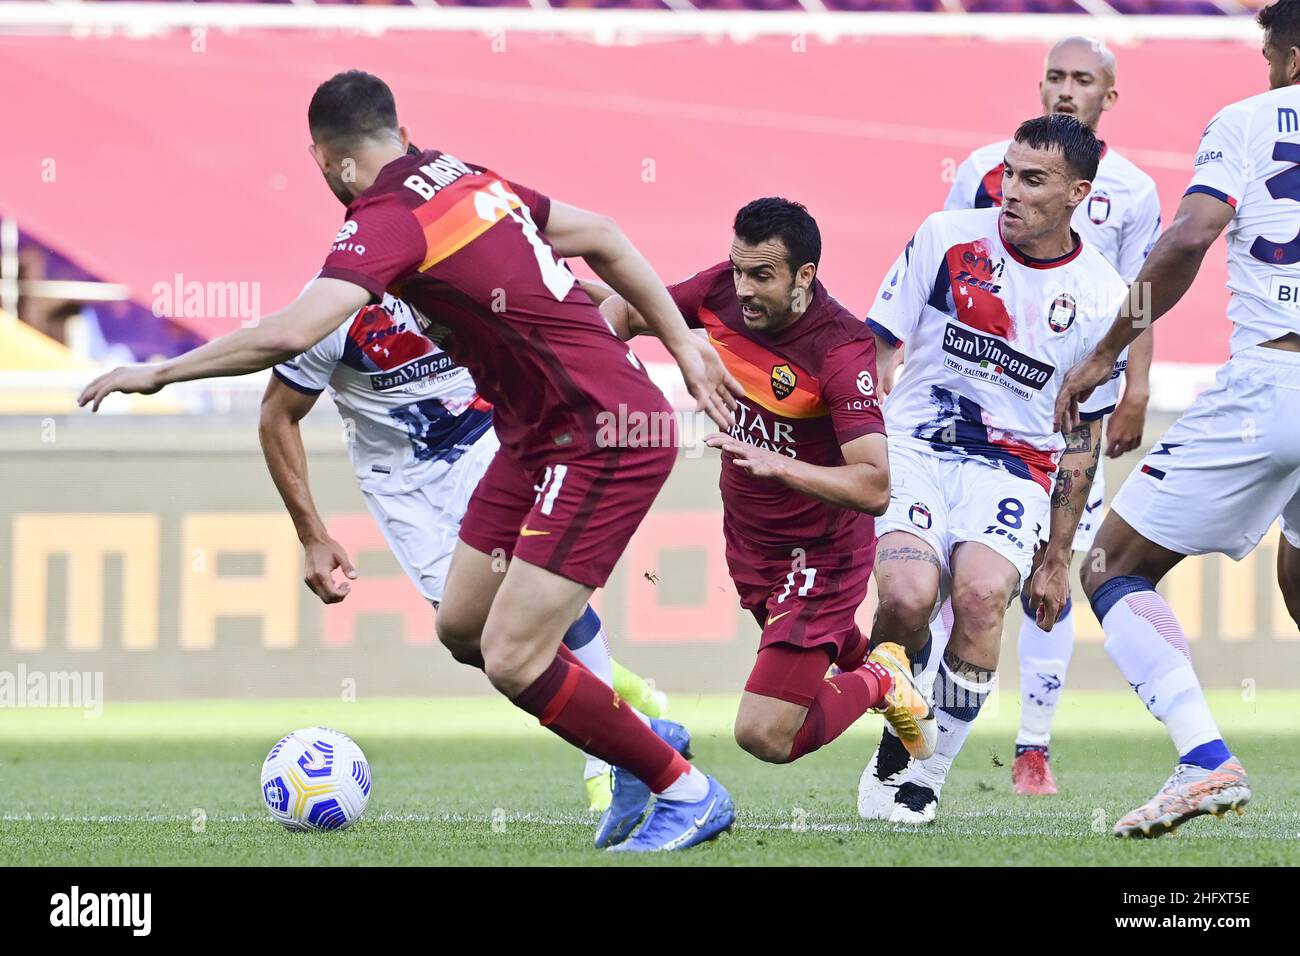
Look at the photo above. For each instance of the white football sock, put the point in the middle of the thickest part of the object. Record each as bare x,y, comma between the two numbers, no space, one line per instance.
1044,659
957,703
690,787
595,767
940,632
594,656
1146,642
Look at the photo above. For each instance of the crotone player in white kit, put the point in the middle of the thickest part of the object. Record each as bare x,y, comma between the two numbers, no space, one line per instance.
1121,220
420,438
1231,463
994,306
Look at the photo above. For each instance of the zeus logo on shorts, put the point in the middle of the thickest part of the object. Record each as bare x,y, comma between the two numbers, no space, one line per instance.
994,529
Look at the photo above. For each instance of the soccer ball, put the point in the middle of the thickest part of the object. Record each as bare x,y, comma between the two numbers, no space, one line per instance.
316,779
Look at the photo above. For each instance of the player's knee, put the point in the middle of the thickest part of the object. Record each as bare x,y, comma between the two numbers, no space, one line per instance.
980,601
905,607
762,740
460,637
505,668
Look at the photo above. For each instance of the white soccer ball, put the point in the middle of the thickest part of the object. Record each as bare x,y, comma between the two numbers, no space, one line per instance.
316,779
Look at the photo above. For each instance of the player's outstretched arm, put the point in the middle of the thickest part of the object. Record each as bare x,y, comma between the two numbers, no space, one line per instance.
611,255
860,484
1075,473
286,459
1165,277
322,307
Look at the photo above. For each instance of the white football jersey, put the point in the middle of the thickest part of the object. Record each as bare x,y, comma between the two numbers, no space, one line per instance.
1249,157
413,411
990,336
1120,218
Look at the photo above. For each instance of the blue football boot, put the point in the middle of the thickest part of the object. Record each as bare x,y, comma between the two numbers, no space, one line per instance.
676,824
631,796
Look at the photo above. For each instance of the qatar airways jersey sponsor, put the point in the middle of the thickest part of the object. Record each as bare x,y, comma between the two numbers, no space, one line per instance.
1249,158
1120,218
990,335
410,411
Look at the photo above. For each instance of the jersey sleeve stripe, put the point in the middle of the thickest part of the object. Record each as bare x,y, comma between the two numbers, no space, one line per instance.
884,333
297,387
1211,191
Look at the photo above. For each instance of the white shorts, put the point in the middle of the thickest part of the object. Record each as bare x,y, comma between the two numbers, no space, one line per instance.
945,501
421,526
1228,467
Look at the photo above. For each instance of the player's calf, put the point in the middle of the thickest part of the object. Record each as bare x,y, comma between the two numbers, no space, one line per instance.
769,742
980,597
790,708
472,583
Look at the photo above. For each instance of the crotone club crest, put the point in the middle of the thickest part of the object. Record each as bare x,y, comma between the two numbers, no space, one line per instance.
1061,316
783,381
1098,208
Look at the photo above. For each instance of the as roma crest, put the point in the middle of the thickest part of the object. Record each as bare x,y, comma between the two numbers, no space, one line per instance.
783,381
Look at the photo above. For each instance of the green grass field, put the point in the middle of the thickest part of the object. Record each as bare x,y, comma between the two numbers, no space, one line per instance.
473,781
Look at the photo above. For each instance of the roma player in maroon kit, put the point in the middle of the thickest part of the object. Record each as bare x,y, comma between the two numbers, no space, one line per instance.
804,469
479,258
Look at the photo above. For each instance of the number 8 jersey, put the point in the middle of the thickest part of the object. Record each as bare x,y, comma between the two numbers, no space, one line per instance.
467,250
1249,157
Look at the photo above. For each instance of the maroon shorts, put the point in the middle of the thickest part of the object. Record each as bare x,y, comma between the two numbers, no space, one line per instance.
573,516
807,600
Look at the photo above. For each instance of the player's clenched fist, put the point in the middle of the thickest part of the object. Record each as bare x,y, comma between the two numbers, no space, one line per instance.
708,381
134,379
322,558
1049,589
751,459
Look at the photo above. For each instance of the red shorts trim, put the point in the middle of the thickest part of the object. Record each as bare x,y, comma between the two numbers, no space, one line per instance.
572,517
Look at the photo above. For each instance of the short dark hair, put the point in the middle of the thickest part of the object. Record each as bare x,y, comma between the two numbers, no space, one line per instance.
776,218
350,107
1076,140
1282,22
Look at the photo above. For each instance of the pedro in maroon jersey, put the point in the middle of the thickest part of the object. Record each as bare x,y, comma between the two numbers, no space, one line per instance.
479,258
804,469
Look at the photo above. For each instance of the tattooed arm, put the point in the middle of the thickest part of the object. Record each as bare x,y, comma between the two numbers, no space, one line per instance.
1074,476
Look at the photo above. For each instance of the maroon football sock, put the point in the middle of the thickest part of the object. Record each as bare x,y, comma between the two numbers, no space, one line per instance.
580,708
841,701
855,652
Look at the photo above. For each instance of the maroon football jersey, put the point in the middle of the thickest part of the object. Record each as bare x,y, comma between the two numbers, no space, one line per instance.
467,250
809,389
